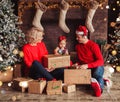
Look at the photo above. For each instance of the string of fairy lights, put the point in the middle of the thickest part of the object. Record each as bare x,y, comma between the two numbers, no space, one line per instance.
114,33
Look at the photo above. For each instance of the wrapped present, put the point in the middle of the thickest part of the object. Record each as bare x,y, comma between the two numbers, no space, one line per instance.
6,76
69,88
77,76
21,84
56,61
17,71
54,87
36,86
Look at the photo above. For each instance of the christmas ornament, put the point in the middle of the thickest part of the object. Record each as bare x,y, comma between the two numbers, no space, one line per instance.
15,51
118,68
63,11
41,8
114,52
21,54
112,24
91,12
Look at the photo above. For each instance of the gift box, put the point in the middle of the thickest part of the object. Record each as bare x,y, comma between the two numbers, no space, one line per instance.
54,87
56,61
6,76
21,84
77,76
17,71
69,88
36,86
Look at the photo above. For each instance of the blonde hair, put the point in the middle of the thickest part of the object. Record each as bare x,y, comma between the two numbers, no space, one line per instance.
34,33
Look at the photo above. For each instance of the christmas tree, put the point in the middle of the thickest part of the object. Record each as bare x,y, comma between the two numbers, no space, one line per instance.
11,37
114,50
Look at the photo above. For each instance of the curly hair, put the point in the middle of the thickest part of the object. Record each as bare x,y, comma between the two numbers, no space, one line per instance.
35,34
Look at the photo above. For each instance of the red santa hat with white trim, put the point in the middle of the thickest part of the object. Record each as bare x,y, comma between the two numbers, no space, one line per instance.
82,30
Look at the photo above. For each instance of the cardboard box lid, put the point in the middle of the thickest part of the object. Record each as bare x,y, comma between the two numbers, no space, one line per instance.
53,55
77,76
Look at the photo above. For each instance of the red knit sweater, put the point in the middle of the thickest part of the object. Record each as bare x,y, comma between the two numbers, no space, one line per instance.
90,54
32,53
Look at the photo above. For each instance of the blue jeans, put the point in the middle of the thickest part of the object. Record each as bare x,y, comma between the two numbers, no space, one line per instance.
97,73
38,71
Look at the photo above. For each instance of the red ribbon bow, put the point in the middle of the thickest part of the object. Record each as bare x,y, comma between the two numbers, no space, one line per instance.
62,38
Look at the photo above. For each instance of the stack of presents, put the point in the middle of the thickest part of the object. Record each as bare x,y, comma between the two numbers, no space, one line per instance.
72,77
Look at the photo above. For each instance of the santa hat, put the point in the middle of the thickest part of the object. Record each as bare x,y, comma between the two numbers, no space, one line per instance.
82,30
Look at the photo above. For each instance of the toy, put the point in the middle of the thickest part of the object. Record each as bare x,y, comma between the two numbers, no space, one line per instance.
61,49
108,71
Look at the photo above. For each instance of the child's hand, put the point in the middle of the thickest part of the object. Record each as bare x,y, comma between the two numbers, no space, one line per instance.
66,52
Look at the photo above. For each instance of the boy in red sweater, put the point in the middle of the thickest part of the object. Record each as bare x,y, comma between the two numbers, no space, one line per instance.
34,51
90,57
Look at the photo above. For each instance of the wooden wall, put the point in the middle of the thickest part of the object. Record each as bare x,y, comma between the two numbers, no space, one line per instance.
75,17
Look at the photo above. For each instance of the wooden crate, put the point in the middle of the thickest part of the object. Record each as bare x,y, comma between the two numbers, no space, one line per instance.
77,76
36,86
56,61
21,84
54,87
69,88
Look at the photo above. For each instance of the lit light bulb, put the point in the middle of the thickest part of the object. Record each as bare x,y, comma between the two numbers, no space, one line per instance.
114,9
5,74
1,83
105,19
23,84
107,7
118,19
9,84
118,2
11,69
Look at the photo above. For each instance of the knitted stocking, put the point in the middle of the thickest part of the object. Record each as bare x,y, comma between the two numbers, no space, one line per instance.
41,8
91,12
63,10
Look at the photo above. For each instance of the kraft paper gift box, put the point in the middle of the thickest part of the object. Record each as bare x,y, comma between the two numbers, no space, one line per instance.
17,71
69,88
77,76
36,86
56,61
54,87
21,84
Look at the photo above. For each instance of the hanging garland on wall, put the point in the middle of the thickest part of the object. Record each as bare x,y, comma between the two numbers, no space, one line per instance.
52,4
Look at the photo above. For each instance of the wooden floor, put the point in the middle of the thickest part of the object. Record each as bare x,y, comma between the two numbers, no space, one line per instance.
83,94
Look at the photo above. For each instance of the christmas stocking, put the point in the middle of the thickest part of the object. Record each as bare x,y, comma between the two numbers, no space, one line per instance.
92,9
63,10
41,8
